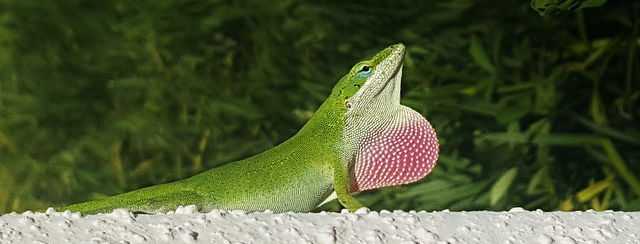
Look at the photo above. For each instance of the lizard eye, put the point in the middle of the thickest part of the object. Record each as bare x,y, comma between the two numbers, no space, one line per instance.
347,104
365,70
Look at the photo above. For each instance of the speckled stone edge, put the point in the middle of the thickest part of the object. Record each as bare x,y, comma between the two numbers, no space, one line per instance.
186,225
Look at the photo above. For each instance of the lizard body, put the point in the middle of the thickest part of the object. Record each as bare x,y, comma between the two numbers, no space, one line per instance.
360,138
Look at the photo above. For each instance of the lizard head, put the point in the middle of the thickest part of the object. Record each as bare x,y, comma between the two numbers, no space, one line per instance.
384,142
367,80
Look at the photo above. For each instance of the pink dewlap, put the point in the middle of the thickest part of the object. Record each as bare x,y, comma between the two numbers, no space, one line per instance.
396,156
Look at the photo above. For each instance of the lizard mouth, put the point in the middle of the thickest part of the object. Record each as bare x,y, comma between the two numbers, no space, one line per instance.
393,76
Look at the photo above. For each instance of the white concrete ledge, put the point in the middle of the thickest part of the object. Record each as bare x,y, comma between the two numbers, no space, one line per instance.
188,226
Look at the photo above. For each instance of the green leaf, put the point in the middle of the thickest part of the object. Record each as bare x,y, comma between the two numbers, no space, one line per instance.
592,3
454,162
452,194
513,108
537,180
625,136
5,142
597,109
593,190
567,139
431,187
504,137
621,166
501,186
545,7
480,56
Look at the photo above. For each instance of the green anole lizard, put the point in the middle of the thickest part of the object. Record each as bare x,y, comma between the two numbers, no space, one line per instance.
360,138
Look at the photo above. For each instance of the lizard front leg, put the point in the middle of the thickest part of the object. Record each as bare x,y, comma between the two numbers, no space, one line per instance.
341,184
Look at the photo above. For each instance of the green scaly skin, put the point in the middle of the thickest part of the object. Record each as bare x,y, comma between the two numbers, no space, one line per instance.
296,175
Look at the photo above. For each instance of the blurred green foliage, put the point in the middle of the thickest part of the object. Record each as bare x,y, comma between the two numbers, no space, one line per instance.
102,97
545,7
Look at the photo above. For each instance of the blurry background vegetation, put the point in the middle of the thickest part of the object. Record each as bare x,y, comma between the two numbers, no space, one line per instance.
536,103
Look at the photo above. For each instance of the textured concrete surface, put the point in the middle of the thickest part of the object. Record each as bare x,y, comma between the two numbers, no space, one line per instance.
186,225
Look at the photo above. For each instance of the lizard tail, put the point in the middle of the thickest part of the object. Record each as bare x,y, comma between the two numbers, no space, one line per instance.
154,199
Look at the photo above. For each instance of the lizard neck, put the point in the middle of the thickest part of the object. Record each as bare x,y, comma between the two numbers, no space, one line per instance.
319,140
325,128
